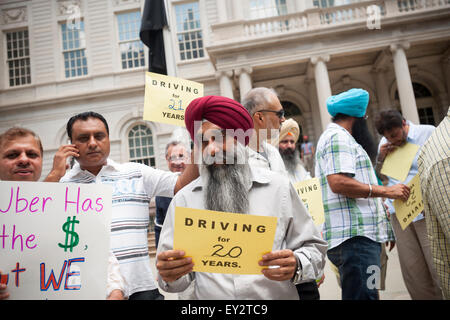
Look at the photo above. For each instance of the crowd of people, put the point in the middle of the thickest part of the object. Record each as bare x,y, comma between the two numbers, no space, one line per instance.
245,158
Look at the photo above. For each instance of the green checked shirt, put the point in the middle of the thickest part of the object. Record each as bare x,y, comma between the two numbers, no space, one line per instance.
338,152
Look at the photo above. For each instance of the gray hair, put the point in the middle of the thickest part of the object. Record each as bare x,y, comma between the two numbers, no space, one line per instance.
175,143
257,97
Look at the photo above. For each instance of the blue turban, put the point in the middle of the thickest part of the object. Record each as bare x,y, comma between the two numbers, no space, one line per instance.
352,103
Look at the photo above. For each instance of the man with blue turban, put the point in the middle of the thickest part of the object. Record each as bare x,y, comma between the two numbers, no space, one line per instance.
356,224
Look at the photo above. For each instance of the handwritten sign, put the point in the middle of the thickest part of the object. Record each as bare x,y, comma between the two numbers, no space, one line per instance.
408,210
398,163
311,194
221,242
166,98
54,239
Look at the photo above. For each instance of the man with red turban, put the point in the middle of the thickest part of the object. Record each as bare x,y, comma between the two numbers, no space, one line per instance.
217,125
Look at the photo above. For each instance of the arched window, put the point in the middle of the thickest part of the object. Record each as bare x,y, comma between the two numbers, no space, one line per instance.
140,144
290,109
424,103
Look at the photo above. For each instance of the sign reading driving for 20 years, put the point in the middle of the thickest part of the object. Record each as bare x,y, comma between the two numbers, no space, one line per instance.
222,242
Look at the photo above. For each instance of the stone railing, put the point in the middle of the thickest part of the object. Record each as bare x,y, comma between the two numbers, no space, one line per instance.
316,18
416,5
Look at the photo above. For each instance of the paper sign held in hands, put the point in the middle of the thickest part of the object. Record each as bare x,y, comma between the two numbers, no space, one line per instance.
166,98
311,194
54,239
397,163
408,210
221,242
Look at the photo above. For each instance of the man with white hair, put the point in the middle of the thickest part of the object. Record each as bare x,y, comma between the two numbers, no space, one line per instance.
234,186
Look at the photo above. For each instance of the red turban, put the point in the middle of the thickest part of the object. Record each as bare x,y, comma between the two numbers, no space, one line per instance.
223,112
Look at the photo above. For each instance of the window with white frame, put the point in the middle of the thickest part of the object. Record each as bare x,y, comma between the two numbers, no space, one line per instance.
74,49
130,45
332,3
189,32
140,145
18,58
267,8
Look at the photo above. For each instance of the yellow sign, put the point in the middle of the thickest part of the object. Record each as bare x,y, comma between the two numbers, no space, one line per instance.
311,194
221,242
398,163
166,98
408,210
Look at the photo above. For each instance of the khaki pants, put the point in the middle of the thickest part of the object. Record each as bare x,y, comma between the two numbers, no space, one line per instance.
416,263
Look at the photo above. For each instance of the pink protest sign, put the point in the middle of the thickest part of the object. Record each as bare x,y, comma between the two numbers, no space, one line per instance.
54,239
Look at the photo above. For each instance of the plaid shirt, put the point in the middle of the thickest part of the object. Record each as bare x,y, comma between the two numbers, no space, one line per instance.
338,152
434,170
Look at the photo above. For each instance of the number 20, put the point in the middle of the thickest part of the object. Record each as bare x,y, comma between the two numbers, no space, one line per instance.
229,253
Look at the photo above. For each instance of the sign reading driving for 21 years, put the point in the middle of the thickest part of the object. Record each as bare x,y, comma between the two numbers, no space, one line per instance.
222,242
54,239
166,98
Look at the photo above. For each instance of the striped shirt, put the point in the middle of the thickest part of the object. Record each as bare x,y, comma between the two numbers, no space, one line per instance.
434,170
133,186
338,153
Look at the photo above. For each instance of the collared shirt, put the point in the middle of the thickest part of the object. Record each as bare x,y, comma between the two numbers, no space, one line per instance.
269,158
417,134
133,186
434,170
338,153
270,194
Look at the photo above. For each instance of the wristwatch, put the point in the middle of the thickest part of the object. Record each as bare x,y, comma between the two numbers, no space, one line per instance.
299,272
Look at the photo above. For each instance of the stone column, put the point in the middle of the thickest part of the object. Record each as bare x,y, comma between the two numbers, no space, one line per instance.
382,89
404,83
238,10
245,80
222,10
225,83
323,87
315,113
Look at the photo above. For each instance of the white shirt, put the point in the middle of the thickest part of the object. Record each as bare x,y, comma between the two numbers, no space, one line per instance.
270,194
417,134
269,158
133,186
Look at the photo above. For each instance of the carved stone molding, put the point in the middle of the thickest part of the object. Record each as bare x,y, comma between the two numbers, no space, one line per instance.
118,3
14,15
69,7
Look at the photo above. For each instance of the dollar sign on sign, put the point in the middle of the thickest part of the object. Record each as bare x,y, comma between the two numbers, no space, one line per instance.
73,235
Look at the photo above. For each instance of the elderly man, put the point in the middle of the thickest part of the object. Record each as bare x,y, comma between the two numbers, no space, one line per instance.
21,160
289,135
267,116
355,219
298,249
413,244
134,184
434,169
177,154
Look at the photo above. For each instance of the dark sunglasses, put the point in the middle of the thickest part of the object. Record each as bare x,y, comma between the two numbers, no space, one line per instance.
280,113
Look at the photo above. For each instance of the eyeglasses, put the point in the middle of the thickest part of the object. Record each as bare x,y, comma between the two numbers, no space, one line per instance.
177,157
279,113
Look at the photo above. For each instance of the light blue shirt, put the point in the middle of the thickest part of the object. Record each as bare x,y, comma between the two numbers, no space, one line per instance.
417,134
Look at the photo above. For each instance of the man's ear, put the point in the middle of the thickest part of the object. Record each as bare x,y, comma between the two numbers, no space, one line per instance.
257,116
